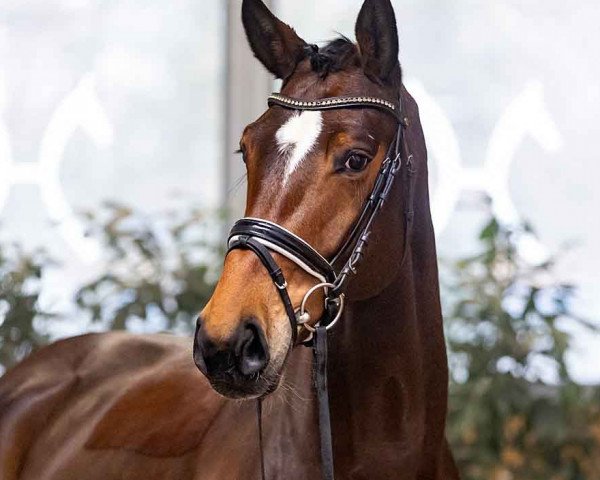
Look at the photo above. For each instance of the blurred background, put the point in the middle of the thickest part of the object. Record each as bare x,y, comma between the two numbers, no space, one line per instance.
118,123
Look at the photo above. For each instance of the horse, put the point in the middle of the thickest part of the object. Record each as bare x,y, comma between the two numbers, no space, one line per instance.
123,406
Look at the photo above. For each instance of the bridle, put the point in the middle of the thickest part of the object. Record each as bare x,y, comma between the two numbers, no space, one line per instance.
263,237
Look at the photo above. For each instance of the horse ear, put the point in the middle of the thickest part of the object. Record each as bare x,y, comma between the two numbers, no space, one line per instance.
274,43
377,36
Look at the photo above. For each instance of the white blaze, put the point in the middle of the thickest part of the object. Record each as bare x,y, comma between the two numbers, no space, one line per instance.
297,137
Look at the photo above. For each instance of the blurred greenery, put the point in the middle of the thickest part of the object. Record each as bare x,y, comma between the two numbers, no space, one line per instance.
161,270
515,412
157,273
20,315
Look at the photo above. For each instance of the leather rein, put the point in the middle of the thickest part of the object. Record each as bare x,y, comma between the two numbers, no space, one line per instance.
264,237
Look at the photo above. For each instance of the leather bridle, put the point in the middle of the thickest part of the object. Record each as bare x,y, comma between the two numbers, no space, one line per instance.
264,237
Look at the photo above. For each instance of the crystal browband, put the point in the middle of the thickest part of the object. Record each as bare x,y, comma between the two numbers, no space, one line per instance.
333,103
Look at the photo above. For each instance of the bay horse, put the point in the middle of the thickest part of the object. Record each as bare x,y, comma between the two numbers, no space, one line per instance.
122,406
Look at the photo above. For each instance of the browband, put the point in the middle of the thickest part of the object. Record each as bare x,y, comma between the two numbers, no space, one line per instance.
335,103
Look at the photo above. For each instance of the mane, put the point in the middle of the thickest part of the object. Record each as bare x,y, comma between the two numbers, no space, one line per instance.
337,55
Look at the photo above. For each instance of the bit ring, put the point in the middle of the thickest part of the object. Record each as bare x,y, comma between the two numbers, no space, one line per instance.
302,312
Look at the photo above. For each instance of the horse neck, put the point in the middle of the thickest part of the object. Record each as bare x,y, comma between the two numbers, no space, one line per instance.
387,362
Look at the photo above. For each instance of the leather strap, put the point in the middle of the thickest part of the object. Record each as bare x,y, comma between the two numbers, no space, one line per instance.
335,103
286,243
409,209
261,446
274,271
371,202
359,237
320,380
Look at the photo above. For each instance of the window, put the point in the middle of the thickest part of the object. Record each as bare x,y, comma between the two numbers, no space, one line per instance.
509,101
100,100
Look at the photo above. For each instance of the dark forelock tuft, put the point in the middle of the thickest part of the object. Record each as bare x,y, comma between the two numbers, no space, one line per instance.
333,57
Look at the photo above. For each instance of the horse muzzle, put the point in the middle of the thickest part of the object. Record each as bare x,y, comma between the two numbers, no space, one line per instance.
237,367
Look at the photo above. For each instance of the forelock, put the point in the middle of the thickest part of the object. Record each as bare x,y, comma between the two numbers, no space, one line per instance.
336,56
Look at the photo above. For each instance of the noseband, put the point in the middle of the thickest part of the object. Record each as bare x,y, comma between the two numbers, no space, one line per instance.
263,237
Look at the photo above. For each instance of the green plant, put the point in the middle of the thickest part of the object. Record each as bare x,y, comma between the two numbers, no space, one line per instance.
515,413
20,313
157,269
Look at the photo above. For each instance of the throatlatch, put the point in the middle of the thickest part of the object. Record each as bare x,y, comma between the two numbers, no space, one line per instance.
263,237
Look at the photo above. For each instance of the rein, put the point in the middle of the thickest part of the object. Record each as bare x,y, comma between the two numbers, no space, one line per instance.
263,237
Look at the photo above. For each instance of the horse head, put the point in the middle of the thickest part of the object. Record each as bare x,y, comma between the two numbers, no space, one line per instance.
310,172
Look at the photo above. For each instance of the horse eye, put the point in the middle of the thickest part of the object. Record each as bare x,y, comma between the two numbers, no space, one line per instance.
356,162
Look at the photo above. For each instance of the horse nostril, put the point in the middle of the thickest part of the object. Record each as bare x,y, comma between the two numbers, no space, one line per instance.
252,350
245,352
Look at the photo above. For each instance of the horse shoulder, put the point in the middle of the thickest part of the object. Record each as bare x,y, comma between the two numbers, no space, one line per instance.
29,395
118,391
164,412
